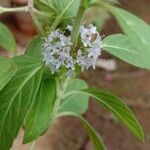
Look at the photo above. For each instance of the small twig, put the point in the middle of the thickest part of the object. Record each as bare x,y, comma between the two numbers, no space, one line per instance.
30,5
17,9
33,145
31,10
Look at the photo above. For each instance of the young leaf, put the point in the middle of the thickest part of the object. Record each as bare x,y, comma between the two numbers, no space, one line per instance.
15,98
7,71
119,109
94,137
39,116
120,46
7,40
73,101
137,30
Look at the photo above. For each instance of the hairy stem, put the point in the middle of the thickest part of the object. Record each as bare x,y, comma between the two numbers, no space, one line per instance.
61,85
17,9
31,10
33,145
77,24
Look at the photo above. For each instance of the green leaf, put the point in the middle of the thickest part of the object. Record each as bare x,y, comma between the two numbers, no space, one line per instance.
7,40
49,3
137,30
74,101
44,7
66,8
15,98
94,137
119,109
34,48
7,71
120,46
39,116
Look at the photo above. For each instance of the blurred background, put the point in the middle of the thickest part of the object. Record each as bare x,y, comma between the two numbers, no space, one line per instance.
130,83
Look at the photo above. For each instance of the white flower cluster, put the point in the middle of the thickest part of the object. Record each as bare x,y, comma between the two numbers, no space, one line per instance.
56,52
57,47
92,47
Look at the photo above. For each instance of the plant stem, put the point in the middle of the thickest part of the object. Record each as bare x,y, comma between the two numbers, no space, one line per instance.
61,85
33,145
17,9
59,95
77,24
31,10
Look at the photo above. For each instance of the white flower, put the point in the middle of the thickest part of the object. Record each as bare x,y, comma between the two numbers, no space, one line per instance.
84,61
56,52
69,27
92,42
65,40
53,35
81,60
87,34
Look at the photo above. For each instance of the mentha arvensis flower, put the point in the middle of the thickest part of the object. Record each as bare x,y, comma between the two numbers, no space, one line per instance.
57,50
87,56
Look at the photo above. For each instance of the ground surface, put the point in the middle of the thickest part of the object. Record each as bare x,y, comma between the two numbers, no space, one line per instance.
129,83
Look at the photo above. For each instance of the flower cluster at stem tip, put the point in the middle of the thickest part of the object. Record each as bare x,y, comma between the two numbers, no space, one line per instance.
56,50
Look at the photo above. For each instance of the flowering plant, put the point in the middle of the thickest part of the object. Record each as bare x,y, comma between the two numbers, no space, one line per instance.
42,85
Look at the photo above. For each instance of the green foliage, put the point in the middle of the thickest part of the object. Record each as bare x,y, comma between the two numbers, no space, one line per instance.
7,71
74,101
120,46
7,40
59,12
94,137
119,109
137,31
32,98
34,48
15,98
42,6
39,117
34,51
66,8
